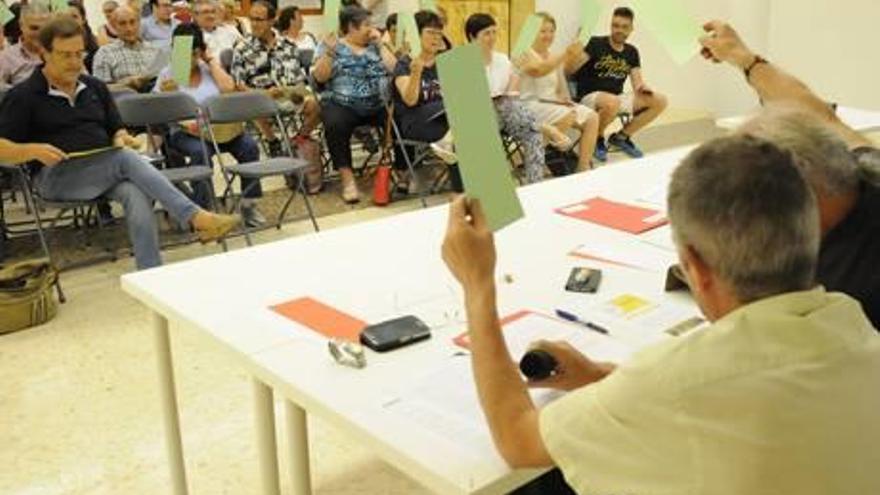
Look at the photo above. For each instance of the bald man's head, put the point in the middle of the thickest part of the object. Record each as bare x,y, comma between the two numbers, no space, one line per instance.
127,23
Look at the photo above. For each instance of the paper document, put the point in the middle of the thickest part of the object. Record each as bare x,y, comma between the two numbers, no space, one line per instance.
444,401
331,16
527,35
82,154
322,318
620,216
673,26
181,60
408,33
481,158
6,15
590,11
631,253
638,320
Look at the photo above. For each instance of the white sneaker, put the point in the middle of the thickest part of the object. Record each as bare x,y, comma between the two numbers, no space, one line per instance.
445,149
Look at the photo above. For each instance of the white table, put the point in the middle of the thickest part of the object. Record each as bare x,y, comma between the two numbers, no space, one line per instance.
858,119
378,270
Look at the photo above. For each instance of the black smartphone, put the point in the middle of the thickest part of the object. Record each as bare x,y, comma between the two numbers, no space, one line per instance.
585,280
396,333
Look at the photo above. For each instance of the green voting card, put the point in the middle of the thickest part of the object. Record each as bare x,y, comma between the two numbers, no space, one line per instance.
331,16
484,167
408,32
673,26
6,15
527,35
590,11
429,5
181,60
58,5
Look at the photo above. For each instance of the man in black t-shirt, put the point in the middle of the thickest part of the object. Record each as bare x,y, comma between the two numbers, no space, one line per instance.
600,72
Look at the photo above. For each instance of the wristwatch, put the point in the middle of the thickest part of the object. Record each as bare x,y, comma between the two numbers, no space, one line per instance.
758,60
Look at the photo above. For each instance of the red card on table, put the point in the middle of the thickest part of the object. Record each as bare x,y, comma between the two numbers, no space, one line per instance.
628,218
326,320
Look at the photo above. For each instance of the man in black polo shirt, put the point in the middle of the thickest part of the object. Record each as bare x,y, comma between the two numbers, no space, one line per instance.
600,72
842,171
67,123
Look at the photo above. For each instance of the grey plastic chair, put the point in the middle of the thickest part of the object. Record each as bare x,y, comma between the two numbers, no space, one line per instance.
245,107
156,110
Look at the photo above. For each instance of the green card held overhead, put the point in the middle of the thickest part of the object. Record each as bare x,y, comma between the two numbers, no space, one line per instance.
181,60
527,35
484,168
429,5
6,15
58,5
672,24
408,32
590,12
331,16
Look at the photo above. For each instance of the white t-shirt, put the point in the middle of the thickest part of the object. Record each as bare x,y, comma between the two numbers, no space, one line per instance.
223,37
779,397
498,72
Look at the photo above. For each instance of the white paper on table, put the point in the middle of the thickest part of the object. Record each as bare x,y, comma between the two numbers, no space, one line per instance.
444,400
657,195
660,238
629,252
643,327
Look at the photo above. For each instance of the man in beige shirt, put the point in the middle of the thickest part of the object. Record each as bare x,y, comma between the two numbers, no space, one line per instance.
777,396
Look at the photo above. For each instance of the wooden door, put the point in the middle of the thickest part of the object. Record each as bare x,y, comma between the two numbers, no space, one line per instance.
510,15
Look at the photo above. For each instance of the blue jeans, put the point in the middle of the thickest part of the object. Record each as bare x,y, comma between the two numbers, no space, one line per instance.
243,148
121,175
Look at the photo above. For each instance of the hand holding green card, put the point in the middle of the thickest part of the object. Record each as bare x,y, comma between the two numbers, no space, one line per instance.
673,26
590,11
527,35
484,167
181,60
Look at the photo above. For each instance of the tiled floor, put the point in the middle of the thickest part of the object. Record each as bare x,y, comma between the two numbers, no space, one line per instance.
79,400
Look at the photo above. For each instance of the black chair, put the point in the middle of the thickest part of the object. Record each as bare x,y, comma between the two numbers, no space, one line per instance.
249,106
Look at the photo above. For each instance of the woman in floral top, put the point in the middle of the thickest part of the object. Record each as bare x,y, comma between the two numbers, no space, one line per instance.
354,71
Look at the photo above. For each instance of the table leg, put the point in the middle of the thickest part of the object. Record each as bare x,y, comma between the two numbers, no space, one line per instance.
169,405
264,419
298,444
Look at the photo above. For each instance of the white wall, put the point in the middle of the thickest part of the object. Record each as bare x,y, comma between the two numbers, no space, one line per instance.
832,49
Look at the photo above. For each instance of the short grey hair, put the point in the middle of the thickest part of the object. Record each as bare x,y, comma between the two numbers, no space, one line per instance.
35,8
744,206
823,156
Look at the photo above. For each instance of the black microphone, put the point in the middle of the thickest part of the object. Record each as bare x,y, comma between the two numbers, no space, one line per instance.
538,365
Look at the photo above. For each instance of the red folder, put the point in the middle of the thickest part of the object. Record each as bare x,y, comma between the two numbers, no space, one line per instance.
620,216
321,318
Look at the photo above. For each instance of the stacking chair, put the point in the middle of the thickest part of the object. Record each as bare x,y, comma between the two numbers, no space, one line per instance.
422,150
249,106
158,110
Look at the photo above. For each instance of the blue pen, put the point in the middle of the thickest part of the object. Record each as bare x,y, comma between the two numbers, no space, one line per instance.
565,315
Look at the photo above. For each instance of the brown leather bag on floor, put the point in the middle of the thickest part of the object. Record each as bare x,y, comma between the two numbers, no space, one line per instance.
26,295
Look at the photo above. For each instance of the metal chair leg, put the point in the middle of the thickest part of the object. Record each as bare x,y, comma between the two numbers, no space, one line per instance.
29,198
